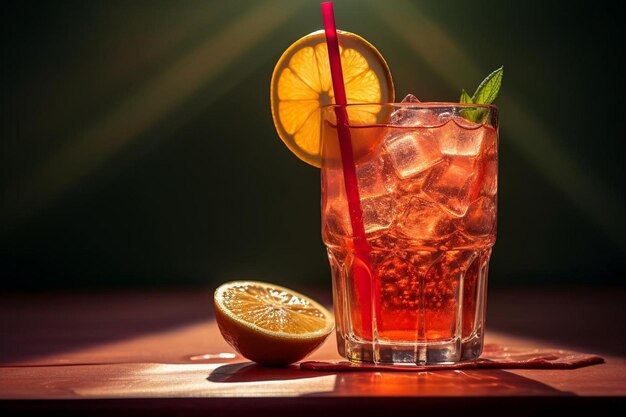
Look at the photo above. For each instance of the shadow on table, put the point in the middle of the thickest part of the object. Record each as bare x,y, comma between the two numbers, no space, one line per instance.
42,325
492,382
251,372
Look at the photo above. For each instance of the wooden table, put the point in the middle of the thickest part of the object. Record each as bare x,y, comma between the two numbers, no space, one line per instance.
157,353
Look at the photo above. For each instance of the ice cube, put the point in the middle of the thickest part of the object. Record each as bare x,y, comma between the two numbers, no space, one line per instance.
490,182
412,151
450,184
413,115
480,218
444,116
413,185
458,240
333,184
376,176
378,213
335,224
490,167
457,137
423,220
410,98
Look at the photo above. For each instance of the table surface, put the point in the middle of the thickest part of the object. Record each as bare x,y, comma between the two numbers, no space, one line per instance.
156,351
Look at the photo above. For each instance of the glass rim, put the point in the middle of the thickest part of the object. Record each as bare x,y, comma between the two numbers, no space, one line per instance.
416,105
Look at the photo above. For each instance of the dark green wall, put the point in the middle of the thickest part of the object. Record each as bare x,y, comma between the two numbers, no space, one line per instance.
138,148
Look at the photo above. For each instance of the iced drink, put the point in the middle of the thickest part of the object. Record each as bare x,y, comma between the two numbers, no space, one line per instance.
427,182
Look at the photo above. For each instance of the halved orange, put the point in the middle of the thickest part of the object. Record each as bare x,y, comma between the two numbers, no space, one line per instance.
270,324
301,85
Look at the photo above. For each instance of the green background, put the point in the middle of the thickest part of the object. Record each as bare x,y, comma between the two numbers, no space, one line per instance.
138,148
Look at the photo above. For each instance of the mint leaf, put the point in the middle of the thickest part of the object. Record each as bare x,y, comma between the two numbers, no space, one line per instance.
487,91
470,114
473,115
465,98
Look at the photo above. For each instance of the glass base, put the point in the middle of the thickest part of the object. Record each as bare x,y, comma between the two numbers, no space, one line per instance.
412,354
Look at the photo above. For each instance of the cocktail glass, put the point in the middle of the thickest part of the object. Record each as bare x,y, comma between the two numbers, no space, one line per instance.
427,186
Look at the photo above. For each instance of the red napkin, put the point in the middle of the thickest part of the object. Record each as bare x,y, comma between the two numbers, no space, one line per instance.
494,356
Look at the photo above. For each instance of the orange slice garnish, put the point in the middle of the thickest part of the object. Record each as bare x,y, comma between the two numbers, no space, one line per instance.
301,85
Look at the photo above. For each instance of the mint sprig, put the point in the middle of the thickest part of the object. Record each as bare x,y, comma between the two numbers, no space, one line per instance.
465,98
486,93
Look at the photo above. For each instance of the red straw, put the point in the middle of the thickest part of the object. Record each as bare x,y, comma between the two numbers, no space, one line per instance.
362,271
